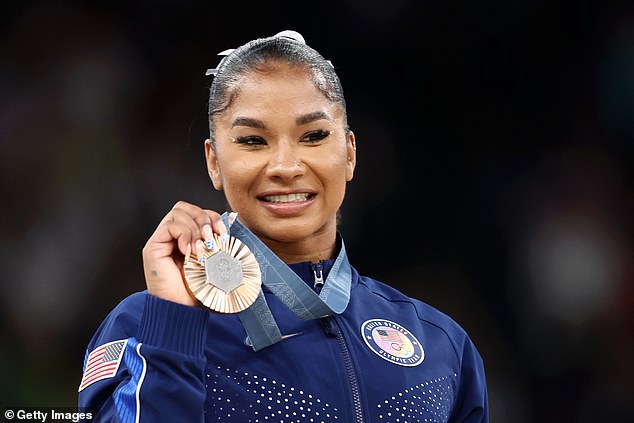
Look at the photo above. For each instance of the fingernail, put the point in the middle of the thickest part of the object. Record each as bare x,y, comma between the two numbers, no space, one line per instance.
207,232
210,244
224,238
200,248
188,252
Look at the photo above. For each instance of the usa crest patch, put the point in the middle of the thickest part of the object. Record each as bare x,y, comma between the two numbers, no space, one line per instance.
392,342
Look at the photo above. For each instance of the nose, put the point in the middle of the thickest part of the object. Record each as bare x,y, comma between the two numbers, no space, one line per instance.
285,163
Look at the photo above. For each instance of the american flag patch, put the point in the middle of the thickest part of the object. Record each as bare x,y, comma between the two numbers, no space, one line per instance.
103,362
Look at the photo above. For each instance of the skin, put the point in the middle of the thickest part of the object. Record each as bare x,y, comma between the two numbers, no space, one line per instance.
280,135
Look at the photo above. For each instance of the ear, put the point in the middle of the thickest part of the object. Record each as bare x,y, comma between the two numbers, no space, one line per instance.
212,165
351,149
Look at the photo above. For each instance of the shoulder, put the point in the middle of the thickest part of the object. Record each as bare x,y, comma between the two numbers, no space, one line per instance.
427,316
425,312
130,308
123,320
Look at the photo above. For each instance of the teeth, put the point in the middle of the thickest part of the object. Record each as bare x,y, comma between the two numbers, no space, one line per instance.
289,198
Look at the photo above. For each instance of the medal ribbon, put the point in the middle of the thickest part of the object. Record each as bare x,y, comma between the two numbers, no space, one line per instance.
285,284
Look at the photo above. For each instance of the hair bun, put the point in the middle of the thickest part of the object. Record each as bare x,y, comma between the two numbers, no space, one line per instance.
293,35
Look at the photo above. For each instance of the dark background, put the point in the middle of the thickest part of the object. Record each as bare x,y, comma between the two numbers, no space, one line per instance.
494,180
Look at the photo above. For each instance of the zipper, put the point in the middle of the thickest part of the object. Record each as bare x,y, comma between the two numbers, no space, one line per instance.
331,327
319,275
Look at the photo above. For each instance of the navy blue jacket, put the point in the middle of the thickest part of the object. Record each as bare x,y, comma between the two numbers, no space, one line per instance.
386,358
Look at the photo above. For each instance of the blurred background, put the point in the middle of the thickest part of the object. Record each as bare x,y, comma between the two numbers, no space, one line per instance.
494,180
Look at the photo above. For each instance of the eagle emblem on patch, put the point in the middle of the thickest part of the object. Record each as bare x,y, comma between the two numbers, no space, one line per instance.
392,342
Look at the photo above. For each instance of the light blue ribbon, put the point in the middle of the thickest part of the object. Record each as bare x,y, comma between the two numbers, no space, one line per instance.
285,284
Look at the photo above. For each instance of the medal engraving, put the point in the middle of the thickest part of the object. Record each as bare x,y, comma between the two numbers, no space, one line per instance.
223,271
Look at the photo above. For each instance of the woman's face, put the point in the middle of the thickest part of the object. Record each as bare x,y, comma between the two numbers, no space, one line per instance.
283,158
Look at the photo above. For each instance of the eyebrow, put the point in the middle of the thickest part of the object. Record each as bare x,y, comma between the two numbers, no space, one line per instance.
311,117
301,120
245,121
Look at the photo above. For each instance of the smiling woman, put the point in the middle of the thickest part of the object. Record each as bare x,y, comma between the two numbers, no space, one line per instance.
282,153
319,342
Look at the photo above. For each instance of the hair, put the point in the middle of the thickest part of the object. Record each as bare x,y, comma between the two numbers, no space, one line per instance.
286,46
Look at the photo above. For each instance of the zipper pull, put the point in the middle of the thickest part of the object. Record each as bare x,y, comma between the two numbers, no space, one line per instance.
328,325
319,277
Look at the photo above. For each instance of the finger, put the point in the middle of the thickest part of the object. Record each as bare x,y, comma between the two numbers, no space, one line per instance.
167,239
176,214
209,221
217,224
185,217
182,234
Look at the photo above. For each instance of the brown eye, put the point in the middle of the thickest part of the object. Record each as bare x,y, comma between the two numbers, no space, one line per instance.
250,140
316,136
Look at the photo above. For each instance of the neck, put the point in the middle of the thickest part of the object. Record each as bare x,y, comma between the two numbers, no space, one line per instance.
316,248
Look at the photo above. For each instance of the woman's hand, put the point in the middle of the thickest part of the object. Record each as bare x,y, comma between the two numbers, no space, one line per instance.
180,233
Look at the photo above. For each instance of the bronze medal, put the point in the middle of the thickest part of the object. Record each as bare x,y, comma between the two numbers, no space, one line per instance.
225,278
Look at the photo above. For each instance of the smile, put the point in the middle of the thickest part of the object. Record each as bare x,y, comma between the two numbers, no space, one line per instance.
287,198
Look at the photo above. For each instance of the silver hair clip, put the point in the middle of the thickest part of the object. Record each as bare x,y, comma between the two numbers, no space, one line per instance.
214,71
293,35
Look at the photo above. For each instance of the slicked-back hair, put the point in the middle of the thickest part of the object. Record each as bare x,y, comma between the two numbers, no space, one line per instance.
257,55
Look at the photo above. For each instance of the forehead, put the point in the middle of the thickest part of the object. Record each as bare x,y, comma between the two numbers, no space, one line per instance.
276,92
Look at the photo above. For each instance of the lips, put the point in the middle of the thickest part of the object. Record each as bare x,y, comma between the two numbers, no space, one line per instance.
287,204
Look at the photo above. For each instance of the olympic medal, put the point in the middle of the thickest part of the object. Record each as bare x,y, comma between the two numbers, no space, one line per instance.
226,277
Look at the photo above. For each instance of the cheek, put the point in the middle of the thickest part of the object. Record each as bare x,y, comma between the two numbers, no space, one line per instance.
334,175
237,176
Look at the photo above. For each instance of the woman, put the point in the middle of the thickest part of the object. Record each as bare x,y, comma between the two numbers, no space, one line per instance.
321,342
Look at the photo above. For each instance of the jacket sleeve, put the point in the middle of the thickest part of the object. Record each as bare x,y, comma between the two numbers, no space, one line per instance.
472,404
146,365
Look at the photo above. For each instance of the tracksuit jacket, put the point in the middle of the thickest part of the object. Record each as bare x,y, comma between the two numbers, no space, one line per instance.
386,358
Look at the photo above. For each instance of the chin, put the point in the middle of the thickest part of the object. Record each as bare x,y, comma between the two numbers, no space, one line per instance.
290,234
289,230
